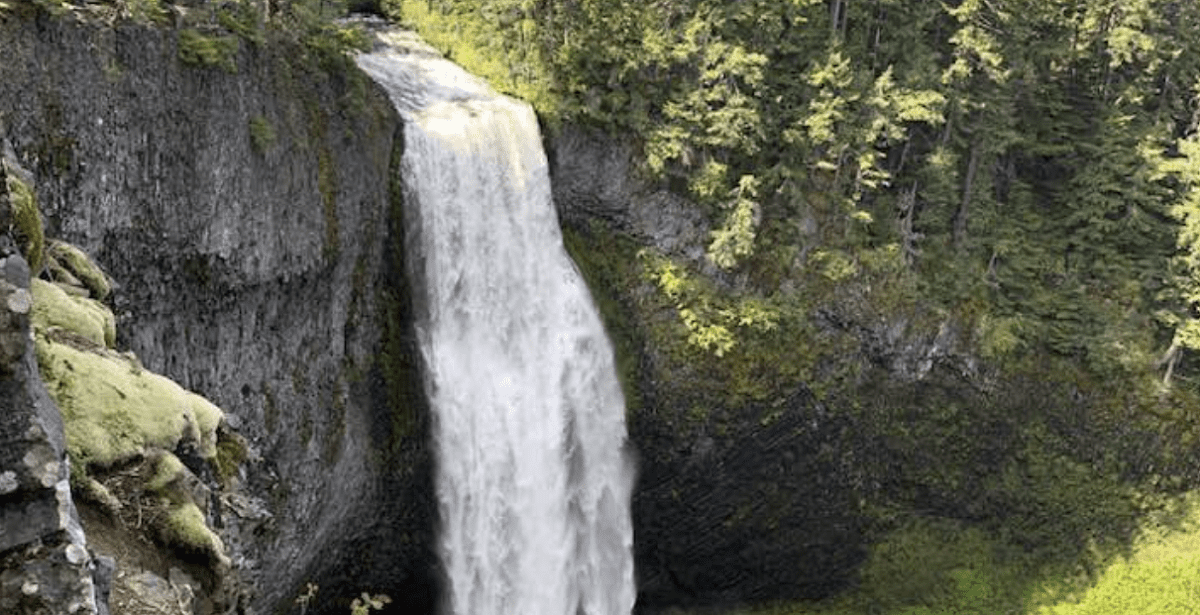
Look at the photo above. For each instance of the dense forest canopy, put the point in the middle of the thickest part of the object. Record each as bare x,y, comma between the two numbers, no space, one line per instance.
1031,161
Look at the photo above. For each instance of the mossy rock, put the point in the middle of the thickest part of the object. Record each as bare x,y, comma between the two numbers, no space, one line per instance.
232,452
64,278
184,528
167,470
88,318
82,267
26,220
115,410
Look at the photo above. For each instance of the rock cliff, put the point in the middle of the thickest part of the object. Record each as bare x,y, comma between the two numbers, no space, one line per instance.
246,219
45,564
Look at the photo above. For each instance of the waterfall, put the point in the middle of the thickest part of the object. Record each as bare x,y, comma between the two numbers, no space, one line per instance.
533,481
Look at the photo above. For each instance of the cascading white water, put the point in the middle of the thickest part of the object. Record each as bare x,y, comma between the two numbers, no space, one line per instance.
533,481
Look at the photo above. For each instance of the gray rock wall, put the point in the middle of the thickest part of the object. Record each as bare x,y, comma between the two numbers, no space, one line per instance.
45,565
256,272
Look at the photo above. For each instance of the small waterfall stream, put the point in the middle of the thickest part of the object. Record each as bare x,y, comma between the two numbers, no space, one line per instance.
533,482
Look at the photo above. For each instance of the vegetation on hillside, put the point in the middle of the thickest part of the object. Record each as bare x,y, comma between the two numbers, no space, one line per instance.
212,34
1030,160
1020,175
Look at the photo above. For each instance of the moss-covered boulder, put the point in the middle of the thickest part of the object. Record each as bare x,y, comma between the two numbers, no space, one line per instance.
115,410
22,211
54,307
177,492
124,424
80,267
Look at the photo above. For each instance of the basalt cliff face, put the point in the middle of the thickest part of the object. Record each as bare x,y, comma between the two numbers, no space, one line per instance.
246,219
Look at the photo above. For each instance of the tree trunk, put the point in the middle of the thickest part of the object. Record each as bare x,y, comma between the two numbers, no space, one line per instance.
837,17
907,207
960,218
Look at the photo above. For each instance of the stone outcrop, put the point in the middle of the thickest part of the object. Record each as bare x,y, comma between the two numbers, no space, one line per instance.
45,565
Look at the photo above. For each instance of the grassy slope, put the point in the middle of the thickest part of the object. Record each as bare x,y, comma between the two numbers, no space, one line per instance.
939,569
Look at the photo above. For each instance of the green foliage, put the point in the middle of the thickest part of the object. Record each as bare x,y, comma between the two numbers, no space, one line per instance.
144,11
929,566
1000,124
709,318
998,338
1158,577
932,566
331,42
735,240
495,40
366,603
244,19
208,50
312,25
262,134
834,265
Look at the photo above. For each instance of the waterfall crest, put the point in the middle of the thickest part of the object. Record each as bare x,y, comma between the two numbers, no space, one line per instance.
533,480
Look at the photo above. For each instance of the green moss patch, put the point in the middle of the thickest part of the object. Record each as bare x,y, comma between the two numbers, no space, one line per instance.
88,318
262,134
185,528
27,221
114,410
231,453
166,471
82,267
